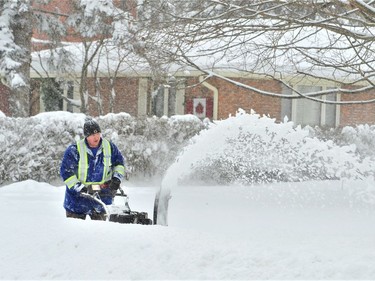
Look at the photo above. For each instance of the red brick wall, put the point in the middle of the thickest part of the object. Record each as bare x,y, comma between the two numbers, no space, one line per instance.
127,5
232,97
126,99
357,113
4,99
62,8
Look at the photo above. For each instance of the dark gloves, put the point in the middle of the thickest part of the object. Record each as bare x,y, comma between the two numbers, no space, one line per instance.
114,185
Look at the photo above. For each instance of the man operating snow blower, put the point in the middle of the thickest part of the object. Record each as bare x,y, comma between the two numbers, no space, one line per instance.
91,162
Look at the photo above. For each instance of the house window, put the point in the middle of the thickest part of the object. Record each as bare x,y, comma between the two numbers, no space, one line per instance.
309,112
167,100
330,110
51,93
158,102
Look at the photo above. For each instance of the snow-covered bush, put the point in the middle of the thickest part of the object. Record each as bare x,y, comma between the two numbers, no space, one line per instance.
32,148
249,148
150,145
363,136
244,149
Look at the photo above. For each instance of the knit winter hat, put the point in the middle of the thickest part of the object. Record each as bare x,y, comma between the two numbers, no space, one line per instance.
90,127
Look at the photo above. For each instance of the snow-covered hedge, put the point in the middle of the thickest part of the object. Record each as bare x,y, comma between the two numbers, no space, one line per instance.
249,148
245,148
363,136
32,148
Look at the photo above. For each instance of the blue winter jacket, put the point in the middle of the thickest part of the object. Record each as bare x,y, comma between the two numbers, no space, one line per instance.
69,172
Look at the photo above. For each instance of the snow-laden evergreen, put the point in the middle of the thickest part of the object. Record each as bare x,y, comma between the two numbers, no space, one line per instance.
11,54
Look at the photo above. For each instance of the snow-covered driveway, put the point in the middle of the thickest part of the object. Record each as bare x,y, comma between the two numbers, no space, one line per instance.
314,230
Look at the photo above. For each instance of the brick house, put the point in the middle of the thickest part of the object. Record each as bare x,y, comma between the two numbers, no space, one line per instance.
213,98
223,99
216,99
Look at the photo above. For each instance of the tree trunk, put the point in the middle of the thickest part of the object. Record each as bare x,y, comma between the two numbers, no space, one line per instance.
20,96
82,91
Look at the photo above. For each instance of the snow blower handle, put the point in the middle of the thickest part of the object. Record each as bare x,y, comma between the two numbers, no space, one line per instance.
96,198
122,193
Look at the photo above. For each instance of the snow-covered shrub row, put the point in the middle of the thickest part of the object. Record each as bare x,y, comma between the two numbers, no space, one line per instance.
246,148
363,136
249,148
32,148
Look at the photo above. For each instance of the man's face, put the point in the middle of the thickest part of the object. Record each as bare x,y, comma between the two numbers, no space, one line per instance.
93,140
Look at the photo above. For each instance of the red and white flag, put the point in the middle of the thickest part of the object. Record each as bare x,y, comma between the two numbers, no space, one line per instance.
199,107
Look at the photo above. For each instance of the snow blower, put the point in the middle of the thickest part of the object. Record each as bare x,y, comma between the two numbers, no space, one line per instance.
115,213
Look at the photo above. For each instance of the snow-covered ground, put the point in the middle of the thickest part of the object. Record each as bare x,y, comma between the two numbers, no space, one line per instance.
310,230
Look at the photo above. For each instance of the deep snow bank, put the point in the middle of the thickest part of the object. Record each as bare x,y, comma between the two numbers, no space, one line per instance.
293,231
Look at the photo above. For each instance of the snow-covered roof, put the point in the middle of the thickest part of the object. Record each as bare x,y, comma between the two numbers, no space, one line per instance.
239,54
70,58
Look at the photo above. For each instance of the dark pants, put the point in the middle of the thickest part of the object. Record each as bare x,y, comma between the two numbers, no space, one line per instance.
93,216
